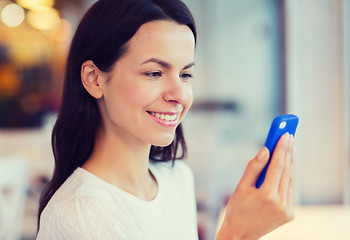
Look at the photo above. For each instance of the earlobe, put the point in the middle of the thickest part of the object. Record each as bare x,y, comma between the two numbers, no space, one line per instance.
90,79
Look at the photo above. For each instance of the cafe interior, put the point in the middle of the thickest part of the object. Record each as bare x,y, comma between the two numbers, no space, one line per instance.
255,60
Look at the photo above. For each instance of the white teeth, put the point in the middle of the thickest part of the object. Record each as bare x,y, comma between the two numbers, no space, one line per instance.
165,117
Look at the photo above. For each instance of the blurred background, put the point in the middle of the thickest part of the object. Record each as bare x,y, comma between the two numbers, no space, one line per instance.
255,59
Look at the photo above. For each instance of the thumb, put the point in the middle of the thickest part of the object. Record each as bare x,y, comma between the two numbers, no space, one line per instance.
254,168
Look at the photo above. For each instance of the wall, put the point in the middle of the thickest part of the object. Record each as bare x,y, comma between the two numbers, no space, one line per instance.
317,92
346,41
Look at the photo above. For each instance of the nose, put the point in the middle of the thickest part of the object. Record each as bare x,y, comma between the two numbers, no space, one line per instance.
177,90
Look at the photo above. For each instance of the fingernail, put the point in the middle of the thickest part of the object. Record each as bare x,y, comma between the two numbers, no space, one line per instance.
262,153
286,138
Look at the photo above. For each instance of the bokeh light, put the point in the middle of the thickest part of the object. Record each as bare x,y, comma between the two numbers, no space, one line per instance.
36,4
12,15
64,32
46,19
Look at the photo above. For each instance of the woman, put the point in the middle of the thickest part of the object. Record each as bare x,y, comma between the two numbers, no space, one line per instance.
116,139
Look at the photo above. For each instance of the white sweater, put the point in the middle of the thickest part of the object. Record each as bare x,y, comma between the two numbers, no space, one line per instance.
86,207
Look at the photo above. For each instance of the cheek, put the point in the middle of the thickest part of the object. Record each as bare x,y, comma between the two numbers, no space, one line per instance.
137,95
189,97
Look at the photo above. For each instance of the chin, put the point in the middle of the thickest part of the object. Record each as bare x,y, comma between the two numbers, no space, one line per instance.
163,142
161,145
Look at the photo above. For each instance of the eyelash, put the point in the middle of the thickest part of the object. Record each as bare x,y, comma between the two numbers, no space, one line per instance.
155,74
158,74
186,76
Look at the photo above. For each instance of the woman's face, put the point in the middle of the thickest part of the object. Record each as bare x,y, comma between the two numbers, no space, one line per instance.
149,89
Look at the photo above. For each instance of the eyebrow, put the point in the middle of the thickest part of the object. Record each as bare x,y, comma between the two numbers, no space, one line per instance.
165,64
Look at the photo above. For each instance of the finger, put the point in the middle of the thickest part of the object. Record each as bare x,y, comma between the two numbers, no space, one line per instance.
254,168
291,184
285,181
276,168
287,172
290,205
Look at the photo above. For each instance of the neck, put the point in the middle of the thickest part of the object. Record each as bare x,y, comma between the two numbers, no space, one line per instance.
122,163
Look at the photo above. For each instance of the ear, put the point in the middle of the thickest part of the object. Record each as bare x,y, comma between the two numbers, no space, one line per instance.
90,79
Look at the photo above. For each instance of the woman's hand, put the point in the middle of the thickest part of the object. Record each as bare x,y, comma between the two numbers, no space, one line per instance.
251,212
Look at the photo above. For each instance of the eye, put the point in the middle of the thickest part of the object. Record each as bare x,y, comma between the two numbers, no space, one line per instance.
154,74
186,76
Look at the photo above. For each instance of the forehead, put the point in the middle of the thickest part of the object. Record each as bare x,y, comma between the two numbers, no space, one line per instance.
169,28
162,39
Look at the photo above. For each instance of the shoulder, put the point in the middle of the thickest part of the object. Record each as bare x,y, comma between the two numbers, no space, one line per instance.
82,217
65,219
81,184
69,212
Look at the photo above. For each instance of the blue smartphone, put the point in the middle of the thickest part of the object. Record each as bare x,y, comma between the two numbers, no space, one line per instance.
280,125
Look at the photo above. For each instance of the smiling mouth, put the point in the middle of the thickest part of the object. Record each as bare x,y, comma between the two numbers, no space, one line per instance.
165,116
